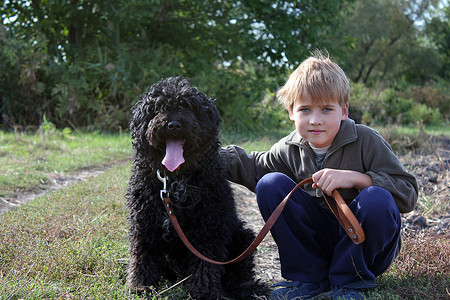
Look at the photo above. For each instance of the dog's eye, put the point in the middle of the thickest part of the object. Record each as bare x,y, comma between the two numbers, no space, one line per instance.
205,107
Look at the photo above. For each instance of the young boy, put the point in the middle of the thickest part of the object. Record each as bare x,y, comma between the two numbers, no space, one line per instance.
316,255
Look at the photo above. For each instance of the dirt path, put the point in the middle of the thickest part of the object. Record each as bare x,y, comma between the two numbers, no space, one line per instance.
57,181
266,258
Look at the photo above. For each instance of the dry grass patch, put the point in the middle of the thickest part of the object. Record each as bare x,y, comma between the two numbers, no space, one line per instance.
421,271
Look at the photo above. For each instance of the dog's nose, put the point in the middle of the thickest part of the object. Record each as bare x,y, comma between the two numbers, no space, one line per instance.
174,126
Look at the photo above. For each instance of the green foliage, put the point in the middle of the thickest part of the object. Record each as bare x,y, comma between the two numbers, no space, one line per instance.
238,98
24,77
438,30
386,106
83,64
433,95
49,130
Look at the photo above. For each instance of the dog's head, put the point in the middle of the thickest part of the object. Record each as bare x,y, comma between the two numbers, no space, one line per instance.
174,123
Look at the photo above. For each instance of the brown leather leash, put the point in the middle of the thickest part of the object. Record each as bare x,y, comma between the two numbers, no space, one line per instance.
336,204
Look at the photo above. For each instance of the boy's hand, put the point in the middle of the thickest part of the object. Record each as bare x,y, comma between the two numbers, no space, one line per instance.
330,179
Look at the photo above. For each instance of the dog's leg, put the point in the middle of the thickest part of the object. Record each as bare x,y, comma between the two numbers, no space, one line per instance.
144,269
205,282
239,278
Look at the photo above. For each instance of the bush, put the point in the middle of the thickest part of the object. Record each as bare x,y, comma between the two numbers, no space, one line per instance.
377,106
243,98
433,95
96,91
24,78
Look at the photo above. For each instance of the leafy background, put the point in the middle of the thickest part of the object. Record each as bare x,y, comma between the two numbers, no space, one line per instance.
82,64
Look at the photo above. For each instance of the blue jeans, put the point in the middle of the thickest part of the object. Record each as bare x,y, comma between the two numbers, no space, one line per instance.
312,244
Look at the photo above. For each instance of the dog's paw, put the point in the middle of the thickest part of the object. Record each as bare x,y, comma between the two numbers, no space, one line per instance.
250,290
140,289
133,287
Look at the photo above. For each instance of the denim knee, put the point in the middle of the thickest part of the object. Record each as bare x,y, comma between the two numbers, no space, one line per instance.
271,180
375,201
272,185
377,212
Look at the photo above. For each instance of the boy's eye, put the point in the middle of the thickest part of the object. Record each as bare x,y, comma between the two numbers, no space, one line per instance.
303,109
327,109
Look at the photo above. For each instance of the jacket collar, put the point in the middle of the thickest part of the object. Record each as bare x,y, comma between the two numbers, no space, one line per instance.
346,134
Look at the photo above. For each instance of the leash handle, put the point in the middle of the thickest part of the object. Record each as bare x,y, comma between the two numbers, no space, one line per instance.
345,217
338,207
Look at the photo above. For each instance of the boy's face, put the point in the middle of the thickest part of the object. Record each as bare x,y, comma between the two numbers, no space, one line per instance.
318,123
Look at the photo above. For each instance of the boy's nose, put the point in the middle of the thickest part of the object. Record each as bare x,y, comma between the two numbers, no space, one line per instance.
315,119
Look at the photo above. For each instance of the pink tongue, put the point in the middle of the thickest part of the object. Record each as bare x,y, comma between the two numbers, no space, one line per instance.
174,155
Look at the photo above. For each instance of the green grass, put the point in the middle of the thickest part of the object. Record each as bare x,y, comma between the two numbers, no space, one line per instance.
414,130
28,162
72,243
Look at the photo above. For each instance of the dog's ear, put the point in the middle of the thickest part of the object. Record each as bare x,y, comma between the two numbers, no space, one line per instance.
207,109
216,111
139,122
135,122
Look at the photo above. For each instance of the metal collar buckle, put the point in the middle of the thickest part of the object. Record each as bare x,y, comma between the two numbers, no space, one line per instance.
163,192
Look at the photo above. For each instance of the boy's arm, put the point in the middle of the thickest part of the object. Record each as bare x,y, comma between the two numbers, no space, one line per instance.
403,187
389,173
247,169
374,157
240,166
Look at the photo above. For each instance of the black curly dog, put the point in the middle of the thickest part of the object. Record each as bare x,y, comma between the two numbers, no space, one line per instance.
175,130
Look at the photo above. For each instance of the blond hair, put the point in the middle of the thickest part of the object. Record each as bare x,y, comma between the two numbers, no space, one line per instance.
318,78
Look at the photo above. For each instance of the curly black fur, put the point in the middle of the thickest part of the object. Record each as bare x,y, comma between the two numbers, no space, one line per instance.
201,196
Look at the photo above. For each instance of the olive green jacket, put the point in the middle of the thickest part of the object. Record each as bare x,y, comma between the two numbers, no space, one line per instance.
356,147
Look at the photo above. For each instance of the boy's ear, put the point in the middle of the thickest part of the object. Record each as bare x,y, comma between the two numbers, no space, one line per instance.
344,112
291,115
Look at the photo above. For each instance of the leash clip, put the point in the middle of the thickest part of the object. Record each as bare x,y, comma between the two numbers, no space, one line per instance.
163,192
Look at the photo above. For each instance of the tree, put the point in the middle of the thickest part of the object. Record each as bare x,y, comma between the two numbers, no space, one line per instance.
382,41
437,29
267,31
